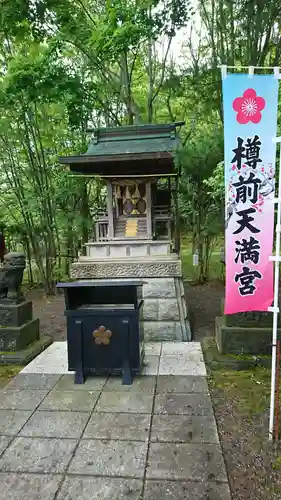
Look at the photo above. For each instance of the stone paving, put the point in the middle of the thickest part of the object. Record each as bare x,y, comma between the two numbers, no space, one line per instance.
154,440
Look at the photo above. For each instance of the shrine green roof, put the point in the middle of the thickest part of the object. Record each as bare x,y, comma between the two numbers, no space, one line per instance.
134,139
122,150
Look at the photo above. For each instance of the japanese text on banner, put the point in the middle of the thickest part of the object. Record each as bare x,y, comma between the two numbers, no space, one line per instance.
250,122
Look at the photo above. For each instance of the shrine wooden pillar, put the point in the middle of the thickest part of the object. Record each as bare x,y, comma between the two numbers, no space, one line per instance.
110,233
148,210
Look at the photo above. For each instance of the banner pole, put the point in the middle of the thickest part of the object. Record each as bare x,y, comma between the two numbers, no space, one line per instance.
275,308
277,402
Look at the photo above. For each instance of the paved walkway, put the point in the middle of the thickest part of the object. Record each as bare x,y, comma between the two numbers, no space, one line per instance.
154,440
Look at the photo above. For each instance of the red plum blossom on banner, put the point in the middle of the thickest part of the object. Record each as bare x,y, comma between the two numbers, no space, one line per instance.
249,107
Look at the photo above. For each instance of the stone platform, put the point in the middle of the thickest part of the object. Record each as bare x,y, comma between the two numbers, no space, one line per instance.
154,440
165,313
245,333
243,339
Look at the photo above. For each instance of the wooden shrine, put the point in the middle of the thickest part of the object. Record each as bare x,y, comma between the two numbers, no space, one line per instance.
136,233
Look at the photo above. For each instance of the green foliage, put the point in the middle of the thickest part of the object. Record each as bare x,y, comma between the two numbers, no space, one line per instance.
201,209
215,183
244,32
70,65
122,27
191,272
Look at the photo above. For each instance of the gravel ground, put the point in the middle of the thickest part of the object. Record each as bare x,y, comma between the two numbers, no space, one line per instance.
253,466
204,303
50,311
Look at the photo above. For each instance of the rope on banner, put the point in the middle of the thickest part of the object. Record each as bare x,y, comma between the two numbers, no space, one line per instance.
275,309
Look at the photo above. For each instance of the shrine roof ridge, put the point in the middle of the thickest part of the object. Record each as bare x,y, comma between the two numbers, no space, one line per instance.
132,144
140,128
133,139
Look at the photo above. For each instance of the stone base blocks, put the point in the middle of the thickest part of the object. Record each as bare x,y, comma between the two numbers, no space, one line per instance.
15,314
17,328
245,333
165,315
19,333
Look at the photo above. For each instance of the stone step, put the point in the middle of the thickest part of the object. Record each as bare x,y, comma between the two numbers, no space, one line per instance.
165,266
133,260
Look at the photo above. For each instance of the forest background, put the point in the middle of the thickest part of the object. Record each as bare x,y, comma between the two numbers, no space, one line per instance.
68,66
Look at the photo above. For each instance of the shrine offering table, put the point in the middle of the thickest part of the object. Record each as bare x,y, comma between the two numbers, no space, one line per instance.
103,328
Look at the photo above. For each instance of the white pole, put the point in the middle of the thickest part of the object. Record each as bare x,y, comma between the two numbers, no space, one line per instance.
247,67
275,308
